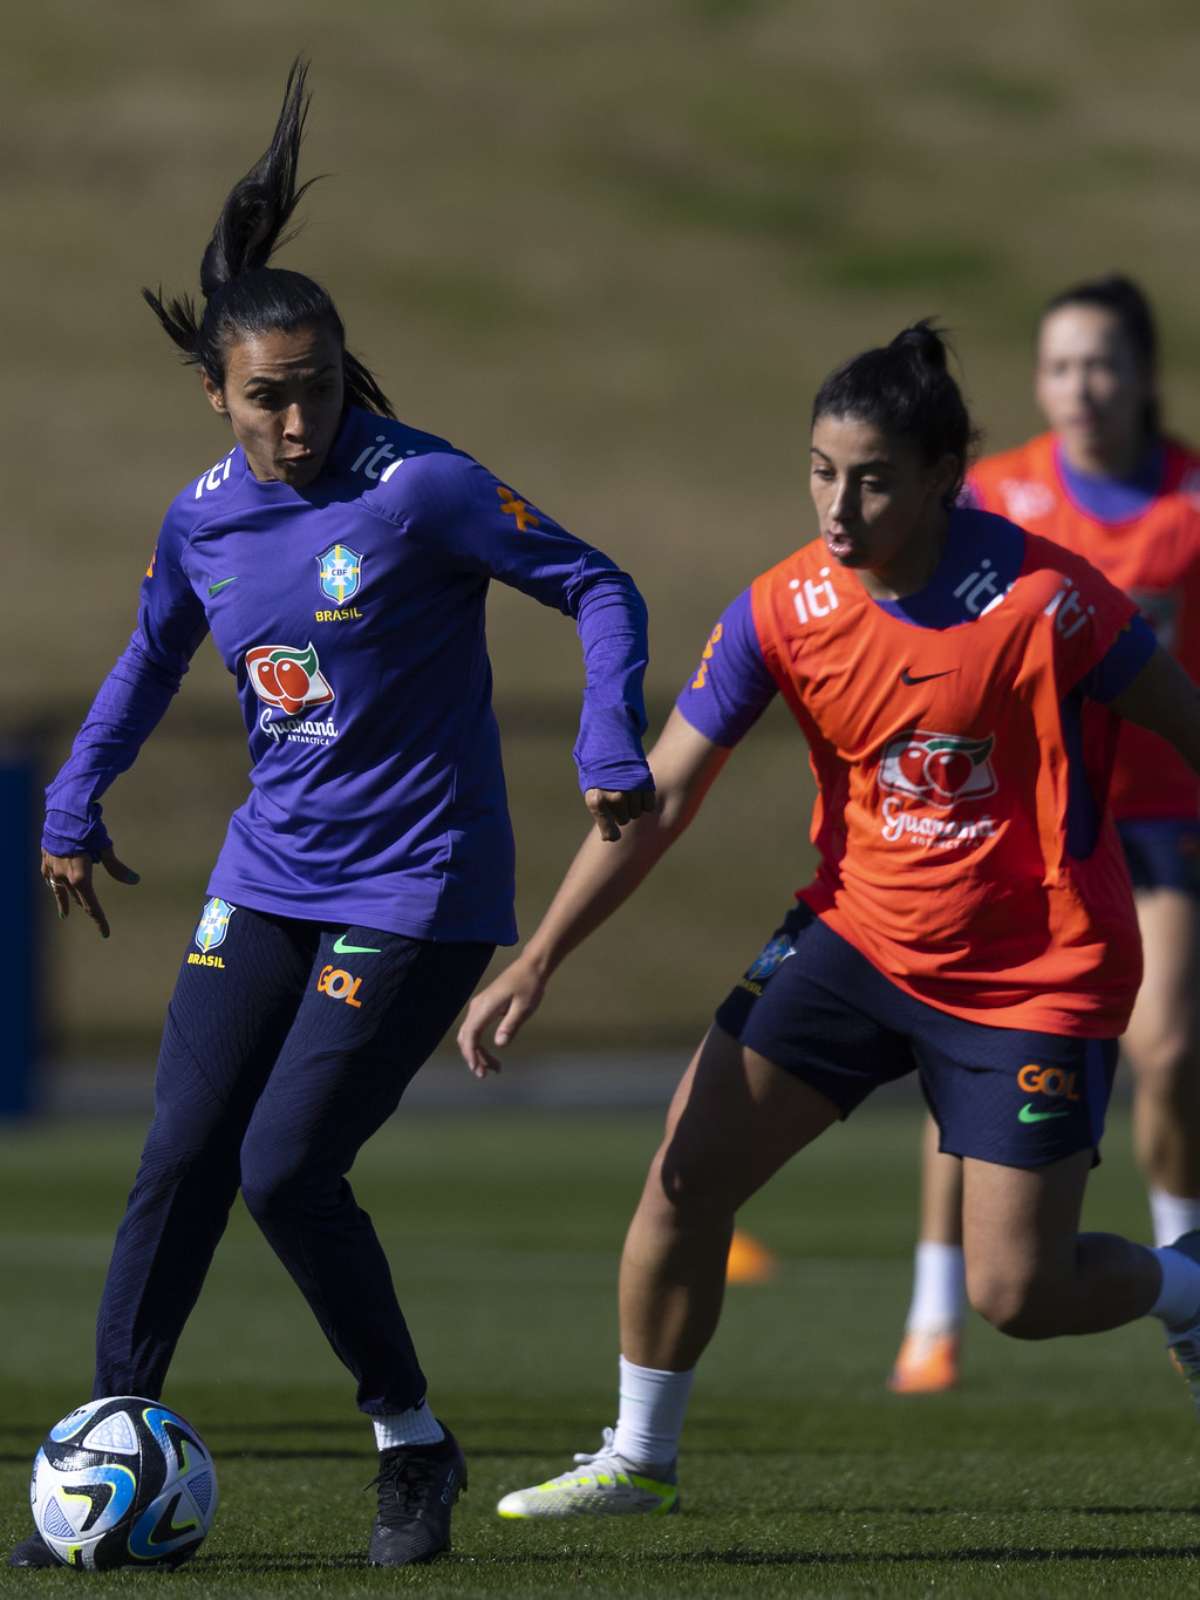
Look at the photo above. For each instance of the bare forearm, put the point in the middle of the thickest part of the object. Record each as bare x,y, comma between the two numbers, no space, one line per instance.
603,875
1164,699
599,880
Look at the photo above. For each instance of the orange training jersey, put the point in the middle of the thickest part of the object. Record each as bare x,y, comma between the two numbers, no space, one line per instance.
962,768
1153,556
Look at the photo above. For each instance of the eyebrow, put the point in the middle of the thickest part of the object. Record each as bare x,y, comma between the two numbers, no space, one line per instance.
862,466
274,383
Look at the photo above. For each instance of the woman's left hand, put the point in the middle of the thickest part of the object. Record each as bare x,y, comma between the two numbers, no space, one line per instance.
613,809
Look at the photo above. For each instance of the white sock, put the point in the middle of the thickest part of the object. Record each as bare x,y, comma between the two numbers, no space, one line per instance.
650,1420
417,1425
939,1288
1173,1215
1178,1302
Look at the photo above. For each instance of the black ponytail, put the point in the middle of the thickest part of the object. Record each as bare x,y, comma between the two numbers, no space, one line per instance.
1127,302
905,388
242,294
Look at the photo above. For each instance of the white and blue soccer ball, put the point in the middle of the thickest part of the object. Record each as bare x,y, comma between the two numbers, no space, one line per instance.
123,1482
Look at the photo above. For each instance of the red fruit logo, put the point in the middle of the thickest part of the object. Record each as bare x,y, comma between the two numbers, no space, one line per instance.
911,761
947,771
287,678
939,768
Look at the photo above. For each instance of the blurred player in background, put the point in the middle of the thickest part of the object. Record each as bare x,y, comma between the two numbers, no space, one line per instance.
341,561
960,683
1107,483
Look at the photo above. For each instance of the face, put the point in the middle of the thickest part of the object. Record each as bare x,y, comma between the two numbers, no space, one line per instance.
283,395
1091,387
878,501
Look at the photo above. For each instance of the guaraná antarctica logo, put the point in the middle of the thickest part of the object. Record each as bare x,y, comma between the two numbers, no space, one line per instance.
290,681
341,573
940,768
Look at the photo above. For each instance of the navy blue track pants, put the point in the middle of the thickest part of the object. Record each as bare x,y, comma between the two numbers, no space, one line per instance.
287,1044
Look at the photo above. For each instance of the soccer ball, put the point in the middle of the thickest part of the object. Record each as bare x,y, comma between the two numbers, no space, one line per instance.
123,1482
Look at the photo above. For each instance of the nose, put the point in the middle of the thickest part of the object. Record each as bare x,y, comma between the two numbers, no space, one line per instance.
842,506
297,425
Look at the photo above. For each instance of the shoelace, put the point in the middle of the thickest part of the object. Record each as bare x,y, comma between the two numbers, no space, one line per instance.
404,1483
607,1448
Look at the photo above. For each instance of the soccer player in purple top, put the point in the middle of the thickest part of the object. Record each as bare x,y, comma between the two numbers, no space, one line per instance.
341,561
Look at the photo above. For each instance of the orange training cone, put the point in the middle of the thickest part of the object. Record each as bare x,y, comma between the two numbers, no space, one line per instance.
749,1261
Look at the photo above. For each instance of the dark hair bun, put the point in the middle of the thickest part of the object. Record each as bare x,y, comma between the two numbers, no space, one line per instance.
906,388
924,343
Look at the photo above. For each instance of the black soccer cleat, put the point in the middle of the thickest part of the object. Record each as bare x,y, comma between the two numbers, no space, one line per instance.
418,1485
33,1552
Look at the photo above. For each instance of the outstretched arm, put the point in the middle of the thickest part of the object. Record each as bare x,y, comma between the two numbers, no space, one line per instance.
602,877
1164,699
457,507
127,709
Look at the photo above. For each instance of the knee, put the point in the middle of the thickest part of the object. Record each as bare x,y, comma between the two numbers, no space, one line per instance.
179,1151
272,1186
688,1184
1019,1303
1166,1070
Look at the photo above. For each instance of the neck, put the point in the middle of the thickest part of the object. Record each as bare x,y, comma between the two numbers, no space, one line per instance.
1120,459
911,568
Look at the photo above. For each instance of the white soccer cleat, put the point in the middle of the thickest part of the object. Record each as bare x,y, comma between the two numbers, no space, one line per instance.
601,1484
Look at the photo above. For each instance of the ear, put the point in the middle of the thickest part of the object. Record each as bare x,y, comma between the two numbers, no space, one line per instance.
216,396
946,474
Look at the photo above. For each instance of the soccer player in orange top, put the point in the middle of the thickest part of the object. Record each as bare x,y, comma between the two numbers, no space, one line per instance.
959,682
1107,483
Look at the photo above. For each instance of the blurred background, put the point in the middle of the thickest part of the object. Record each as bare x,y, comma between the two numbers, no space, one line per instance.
608,248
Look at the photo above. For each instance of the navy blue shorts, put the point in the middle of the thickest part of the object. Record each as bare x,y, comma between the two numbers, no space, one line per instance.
814,1006
1163,853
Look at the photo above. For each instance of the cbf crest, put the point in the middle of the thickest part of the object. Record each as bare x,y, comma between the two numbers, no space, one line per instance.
770,958
213,924
341,573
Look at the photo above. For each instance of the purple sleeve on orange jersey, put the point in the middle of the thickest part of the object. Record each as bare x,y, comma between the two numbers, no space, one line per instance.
1112,676
732,687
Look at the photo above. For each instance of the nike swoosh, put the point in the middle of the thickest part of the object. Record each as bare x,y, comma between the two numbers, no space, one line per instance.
343,949
1028,1114
907,677
215,588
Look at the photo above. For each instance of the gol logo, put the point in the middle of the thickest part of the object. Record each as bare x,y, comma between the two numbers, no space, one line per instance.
1048,1080
338,984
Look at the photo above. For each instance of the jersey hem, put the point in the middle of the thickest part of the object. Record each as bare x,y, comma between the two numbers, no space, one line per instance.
1033,1015
336,909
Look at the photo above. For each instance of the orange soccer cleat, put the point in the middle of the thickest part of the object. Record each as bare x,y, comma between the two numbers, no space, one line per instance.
927,1364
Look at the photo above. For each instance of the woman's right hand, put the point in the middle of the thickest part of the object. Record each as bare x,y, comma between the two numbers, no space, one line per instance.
70,878
512,998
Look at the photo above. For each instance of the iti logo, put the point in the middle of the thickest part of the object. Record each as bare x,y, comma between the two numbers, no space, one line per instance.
213,924
341,572
940,768
290,679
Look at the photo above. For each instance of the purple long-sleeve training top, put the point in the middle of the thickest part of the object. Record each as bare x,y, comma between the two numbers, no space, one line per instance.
351,614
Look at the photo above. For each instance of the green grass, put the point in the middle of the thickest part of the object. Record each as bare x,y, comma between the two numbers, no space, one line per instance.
1060,1469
